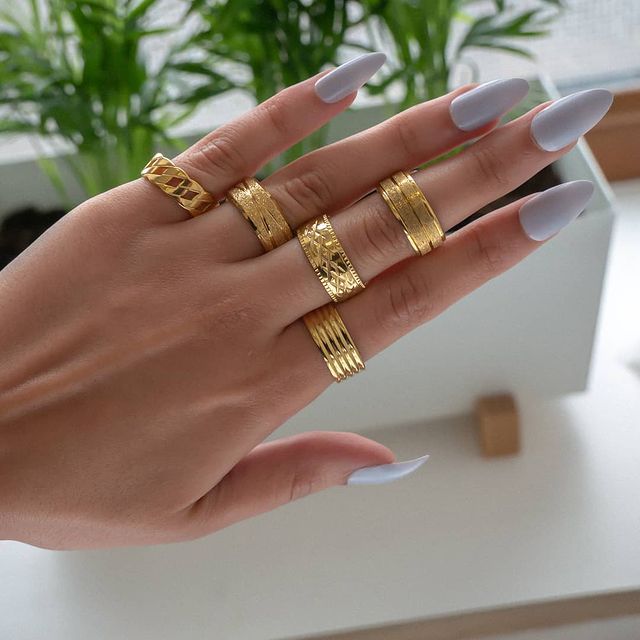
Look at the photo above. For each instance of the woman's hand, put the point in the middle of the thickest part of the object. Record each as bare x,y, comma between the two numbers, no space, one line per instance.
146,354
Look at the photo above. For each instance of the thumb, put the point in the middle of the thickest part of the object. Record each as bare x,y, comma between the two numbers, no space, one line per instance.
280,471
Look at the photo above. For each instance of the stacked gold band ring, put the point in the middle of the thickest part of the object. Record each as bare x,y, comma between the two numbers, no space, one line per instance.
410,206
341,281
175,182
325,325
328,259
336,345
262,212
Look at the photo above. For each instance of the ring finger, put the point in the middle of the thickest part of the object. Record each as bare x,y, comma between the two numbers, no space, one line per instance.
418,290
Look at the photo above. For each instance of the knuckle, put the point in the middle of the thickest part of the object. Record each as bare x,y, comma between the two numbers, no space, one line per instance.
485,253
406,133
489,166
276,112
203,516
306,478
220,153
380,237
303,483
308,192
409,301
225,308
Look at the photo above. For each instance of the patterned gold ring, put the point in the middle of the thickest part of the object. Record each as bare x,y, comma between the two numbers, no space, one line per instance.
328,259
334,342
408,204
262,212
175,182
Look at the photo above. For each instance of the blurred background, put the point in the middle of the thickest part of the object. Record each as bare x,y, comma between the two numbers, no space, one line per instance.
526,521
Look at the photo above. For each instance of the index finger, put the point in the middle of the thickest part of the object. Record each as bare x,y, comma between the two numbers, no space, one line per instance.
239,148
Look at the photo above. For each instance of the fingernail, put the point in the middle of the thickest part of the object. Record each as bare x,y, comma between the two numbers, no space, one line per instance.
348,77
545,214
564,121
487,102
383,473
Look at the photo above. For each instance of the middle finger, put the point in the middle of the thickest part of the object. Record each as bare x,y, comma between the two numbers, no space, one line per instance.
324,181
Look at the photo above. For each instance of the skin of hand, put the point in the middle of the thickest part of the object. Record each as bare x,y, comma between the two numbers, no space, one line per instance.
146,355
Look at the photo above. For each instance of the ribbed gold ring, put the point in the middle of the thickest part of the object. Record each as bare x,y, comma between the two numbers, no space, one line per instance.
175,182
409,205
328,259
336,345
261,212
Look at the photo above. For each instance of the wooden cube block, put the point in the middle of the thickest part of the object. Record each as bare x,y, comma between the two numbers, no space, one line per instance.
498,425
614,141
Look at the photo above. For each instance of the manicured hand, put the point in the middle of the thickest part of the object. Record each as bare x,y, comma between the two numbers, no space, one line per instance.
146,355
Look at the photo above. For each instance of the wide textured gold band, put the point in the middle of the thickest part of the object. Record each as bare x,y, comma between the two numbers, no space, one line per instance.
336,345
410,206
175,182
328,259
262,212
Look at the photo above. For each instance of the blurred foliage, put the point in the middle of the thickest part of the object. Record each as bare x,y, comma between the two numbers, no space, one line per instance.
276,43
429,38
90,72
272,44
78,70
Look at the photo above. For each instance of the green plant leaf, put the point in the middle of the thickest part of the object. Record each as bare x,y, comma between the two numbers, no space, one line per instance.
140,11
82,70
418,33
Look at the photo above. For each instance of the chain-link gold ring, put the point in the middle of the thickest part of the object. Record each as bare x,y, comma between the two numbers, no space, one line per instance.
175,182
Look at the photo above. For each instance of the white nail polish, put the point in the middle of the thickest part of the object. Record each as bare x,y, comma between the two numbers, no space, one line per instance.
564,121
383,473
546,213
485,103
348,77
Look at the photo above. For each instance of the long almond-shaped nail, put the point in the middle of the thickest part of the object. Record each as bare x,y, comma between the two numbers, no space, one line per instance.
546,213
487,102
383,473
564,121
348,77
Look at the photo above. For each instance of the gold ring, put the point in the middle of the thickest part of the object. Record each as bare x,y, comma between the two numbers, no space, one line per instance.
409,205
175,182
336,345
262,212
328,259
